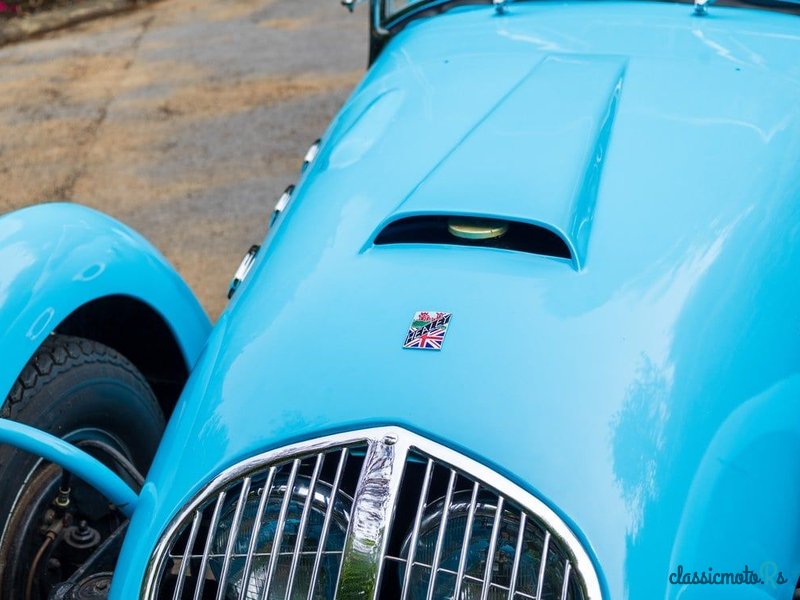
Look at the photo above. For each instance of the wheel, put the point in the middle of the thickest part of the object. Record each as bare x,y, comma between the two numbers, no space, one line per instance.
50,522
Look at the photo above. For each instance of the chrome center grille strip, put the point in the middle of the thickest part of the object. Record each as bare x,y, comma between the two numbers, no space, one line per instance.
370,521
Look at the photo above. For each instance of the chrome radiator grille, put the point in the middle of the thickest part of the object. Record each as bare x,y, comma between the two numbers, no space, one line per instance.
381,514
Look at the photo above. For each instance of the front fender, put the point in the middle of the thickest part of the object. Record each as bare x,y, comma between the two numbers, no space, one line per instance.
746,487
55,258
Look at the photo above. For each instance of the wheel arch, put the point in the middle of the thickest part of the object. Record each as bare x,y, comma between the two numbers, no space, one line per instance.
149,343
68,269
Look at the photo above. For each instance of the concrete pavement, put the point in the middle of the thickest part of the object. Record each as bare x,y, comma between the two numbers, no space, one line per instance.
184,119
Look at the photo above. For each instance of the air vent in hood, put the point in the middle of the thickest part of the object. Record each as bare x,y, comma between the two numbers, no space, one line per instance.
534,160
442,229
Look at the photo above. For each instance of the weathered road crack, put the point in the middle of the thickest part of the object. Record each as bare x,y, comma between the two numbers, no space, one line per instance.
186,126
64,190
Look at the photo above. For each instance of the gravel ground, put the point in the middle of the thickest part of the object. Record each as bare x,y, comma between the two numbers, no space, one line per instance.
185,119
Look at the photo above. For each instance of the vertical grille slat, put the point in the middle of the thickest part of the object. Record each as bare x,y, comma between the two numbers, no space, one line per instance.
301,531
523,521
233,534
280,525
327,523
212,529
385,516
565,587
253,543
412,546
487,576
542,566
462,561
198,517
437,553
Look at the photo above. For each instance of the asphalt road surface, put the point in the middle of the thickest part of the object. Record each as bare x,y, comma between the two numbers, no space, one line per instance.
185,119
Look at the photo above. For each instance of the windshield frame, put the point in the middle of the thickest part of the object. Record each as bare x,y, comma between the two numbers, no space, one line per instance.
412,10
381,28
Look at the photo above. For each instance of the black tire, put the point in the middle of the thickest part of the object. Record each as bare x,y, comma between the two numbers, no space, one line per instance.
76,389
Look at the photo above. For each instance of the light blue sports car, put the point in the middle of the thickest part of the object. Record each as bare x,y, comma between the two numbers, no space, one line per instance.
526,328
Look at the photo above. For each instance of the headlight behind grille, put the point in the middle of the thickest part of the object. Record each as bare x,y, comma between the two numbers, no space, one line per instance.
259,568
506,569
227,542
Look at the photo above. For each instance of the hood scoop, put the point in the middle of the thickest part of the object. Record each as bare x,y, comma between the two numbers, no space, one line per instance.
469,231
534,162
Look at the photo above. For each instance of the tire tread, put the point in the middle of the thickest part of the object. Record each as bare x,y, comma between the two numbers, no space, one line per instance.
57,355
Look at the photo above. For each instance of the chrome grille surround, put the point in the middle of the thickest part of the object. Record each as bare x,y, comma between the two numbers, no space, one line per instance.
371,561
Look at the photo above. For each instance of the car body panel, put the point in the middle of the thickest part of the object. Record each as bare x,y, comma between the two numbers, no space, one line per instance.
543,169
633,391
55,258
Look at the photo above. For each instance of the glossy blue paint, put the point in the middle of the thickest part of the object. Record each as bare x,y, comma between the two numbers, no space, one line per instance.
55,258
543,168
73,459
650,396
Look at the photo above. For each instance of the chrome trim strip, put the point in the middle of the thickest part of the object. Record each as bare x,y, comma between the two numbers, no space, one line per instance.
311,154
281,525
437,552
701,7
283,201
487,574
234,533
212,530
251,547
281,204
376,19
248,260
370,520
326,524
412,545
405,440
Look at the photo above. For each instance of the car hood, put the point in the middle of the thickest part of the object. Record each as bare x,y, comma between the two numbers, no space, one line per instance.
645,389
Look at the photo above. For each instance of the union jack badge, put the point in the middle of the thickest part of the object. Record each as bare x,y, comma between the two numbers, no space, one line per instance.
427,331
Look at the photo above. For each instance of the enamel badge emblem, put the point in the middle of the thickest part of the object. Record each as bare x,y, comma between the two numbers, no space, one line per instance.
427,330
